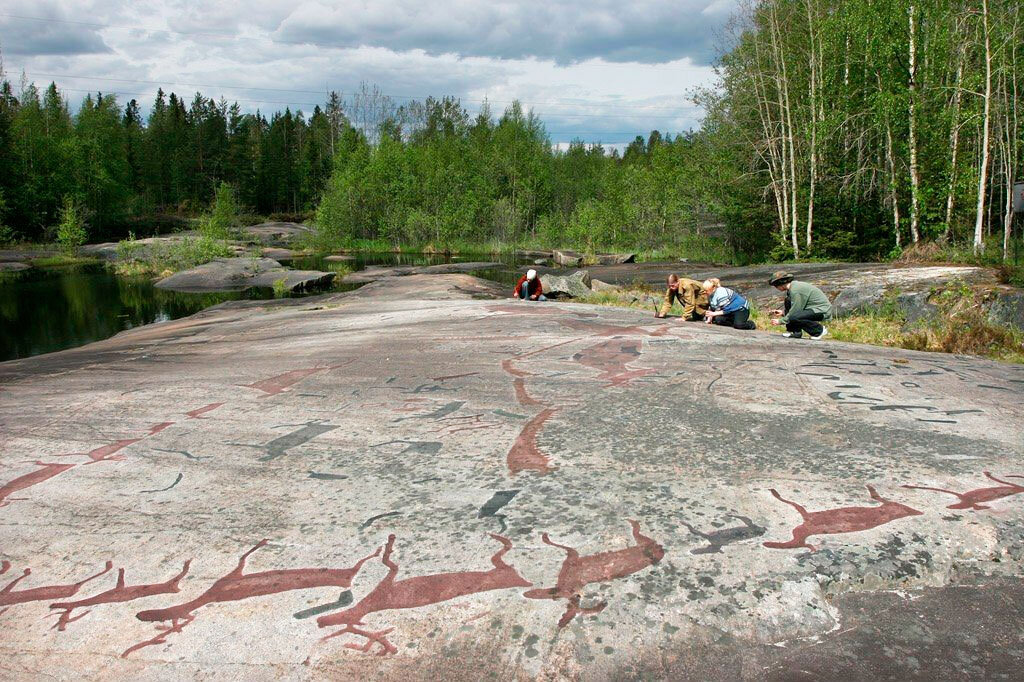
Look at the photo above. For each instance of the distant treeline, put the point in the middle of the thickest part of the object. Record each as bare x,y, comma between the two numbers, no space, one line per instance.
118,166
837,129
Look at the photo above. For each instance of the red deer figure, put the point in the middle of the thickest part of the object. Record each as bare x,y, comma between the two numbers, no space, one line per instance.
842,520
423,590
972,499
579,571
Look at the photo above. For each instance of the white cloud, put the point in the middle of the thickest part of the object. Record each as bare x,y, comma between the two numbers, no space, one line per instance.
595,70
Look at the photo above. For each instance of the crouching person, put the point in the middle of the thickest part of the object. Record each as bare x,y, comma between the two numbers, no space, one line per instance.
806,306
529,287
727,307
690,296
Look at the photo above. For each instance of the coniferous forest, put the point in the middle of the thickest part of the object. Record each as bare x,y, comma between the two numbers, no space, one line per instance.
849,129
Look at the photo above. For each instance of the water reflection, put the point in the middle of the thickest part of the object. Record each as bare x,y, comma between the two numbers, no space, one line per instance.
50,309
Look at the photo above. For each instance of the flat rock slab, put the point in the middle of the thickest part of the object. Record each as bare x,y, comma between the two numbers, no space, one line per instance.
10,255
276,233
13,266
372,274
544,489
238,274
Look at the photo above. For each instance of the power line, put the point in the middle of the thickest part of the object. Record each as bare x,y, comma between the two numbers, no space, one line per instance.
641,107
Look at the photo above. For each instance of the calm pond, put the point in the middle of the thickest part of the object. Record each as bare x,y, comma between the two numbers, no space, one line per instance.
49,309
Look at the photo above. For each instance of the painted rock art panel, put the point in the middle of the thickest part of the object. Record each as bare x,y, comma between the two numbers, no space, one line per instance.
525,454
841,520
973,499
238,585
391,594
612,359
579,571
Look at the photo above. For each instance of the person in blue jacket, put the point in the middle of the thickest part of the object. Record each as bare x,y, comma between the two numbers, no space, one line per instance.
726,307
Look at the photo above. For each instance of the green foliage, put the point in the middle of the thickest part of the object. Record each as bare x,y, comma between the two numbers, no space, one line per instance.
164,258
223,220
72,231
281,289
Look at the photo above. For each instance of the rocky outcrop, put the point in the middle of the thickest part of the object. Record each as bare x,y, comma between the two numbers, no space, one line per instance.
568,259
339,258
12,266
277,253
372,274
1008,309
857,299
19,255
575,285
598,285
238,274
276,234
615,258
916,308
531,253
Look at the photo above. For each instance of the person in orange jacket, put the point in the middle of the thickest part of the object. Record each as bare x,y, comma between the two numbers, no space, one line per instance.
529,287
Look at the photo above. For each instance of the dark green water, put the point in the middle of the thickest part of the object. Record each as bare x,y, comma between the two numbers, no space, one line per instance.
49,309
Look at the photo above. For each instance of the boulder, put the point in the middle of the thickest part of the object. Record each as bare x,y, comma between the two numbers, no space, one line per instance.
275,233
294,280
857,298
615,258
278,253
568,259
11,266
598,285
339,258
238,274
916,308
575,285
541,261
1008,309
25,254
530,253
373,274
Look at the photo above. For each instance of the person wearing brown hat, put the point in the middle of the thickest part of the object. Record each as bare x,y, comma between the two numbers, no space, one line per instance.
806,306
688,293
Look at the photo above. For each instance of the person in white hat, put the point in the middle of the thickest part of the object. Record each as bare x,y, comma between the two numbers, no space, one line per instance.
529,287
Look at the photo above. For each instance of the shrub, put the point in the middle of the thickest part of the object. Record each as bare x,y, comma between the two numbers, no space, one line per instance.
223,220
72,231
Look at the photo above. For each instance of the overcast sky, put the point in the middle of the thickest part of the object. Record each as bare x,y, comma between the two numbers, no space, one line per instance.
599,70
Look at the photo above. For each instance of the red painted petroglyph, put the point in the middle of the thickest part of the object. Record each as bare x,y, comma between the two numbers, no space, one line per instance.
525,455
598,329
236,586
579,571
106,453
281,382
522,397
612,359
842,520
119,593
46,471
412,593
199,412
9,596
972,499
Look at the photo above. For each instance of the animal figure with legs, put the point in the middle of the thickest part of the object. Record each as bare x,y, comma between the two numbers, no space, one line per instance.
411,593
842,520
972,499
579,571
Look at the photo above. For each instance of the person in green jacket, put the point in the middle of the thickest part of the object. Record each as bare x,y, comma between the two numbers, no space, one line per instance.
806,307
